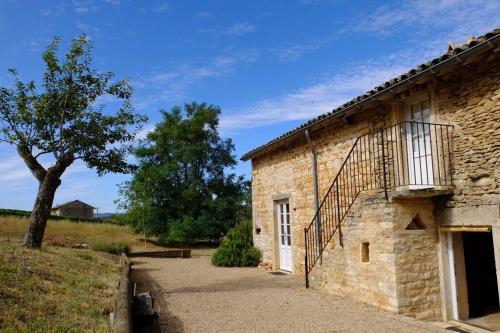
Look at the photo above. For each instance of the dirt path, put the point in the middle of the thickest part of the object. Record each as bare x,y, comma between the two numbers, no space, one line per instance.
194,296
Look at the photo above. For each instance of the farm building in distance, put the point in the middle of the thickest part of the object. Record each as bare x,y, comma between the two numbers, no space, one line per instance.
75,208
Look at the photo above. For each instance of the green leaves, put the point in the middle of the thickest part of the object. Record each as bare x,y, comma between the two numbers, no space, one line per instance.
236,249
181,189
62,116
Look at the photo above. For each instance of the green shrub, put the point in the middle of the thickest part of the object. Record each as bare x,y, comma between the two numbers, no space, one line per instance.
236,249
111,247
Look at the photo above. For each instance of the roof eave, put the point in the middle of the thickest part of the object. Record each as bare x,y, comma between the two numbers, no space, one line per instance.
430,71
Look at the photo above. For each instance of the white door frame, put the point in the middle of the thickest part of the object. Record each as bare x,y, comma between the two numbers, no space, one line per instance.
453,279
283,219
419,145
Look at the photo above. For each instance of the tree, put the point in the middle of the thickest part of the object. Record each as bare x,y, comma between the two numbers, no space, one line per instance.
62,121
181,190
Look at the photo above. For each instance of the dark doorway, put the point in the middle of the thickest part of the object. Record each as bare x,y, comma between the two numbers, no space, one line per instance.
481,273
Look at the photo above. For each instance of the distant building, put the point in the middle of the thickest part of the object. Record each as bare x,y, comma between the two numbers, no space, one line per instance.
74,208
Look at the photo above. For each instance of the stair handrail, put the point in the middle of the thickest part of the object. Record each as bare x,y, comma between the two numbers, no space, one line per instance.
317,246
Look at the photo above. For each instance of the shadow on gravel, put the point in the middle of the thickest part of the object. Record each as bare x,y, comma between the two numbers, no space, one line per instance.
165,321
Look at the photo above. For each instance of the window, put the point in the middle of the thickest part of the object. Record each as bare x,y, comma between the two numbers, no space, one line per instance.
365,252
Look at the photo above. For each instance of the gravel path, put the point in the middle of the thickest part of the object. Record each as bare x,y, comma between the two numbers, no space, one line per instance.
194,296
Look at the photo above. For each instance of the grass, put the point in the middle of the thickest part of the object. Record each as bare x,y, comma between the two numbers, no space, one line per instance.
62,231
112,248
55,289
59,289
98,236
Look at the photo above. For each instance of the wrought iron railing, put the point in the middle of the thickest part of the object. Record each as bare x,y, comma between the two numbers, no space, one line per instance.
413,154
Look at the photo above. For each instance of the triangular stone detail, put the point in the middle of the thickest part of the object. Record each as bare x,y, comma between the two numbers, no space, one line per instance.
415,224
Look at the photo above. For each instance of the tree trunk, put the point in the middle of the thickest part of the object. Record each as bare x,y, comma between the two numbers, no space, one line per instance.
41,211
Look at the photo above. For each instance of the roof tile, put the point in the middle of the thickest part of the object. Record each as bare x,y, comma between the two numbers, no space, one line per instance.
471,42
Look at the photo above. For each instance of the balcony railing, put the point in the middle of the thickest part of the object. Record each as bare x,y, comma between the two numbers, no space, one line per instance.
409,154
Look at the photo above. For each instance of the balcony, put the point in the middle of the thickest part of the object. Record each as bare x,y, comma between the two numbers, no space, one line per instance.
406,160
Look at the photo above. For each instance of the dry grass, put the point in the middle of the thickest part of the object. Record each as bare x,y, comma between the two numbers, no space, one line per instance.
13,227
60,289
55,289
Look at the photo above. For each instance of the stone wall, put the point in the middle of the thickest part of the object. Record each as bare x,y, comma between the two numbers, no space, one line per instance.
288,172
402,274
343,271
470,100
416,261
76,211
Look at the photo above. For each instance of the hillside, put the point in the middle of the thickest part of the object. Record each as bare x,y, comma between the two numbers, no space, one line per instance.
55,289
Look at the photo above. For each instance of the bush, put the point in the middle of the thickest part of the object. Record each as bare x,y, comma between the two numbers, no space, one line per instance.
111,247
236,249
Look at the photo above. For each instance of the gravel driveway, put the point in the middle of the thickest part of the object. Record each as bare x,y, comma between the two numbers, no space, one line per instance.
194,296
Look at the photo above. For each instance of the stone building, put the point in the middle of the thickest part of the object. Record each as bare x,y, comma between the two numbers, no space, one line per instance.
75,208
393,198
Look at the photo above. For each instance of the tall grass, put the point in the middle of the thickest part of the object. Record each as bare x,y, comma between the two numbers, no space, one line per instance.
94,234
13,227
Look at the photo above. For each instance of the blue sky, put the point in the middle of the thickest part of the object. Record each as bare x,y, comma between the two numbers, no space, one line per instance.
270,65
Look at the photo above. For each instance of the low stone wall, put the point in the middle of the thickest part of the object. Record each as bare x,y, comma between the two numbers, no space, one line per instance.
122,312
182,253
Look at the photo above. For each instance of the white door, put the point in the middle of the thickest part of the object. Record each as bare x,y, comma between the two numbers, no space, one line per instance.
418,144
285,238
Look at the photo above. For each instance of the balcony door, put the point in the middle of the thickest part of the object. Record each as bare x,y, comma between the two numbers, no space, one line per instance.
285,237
418,141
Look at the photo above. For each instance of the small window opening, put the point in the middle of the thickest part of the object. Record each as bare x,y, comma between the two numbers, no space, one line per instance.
365,252
415,224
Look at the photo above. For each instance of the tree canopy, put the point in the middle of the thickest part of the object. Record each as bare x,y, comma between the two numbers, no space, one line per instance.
63,120
181,189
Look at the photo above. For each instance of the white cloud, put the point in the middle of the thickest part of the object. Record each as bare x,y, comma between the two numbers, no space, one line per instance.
427,22
87,28
13,169
84,6
458,17
172,85
142,134
75,188
291,52
240,28
309,101
321,97
463,18
160,7
204,15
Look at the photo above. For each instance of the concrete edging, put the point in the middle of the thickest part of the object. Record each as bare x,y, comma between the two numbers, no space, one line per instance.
122,307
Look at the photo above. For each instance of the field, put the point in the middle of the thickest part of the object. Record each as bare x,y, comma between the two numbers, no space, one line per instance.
65,231
12,227
55,289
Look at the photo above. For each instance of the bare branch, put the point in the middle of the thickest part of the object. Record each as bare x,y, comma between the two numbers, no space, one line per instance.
42,153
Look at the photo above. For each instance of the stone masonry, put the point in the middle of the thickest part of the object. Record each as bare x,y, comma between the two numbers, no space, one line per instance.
403,271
